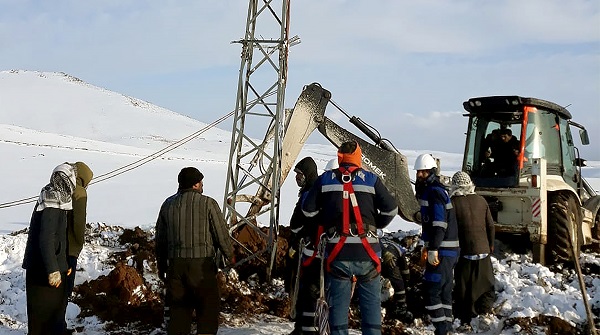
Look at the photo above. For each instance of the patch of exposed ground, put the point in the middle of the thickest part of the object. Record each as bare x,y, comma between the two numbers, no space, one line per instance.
131,294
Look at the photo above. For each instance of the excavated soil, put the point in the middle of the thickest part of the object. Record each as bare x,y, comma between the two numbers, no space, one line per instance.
131,295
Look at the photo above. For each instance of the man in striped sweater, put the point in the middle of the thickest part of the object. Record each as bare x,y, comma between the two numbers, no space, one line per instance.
189,231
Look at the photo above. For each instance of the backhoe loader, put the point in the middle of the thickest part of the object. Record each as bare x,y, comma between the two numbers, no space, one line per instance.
537,190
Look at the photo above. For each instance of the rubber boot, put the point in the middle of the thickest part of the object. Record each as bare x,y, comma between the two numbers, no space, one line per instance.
401,311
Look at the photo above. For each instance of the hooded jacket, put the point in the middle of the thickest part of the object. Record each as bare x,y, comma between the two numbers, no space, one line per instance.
308,168
77,217
299,223
46,241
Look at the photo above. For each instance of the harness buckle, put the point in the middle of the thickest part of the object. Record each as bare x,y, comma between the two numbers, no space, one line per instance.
346,178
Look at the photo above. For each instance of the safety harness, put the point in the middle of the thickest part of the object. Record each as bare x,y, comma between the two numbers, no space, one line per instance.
348,197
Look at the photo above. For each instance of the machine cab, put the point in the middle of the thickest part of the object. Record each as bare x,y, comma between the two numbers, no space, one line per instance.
506,132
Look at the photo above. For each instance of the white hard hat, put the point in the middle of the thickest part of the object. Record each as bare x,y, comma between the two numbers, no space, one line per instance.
425,162
332,164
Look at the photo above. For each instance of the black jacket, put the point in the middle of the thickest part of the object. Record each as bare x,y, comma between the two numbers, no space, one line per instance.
302,226
46,249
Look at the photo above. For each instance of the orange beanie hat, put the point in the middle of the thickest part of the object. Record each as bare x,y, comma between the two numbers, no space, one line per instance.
354,158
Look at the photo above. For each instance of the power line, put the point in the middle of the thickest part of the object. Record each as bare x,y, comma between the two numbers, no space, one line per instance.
134,165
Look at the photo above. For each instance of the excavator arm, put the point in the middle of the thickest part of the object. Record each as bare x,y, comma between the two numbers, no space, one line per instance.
390,165
381,158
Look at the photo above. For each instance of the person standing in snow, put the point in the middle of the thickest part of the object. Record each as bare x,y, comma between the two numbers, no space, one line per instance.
306,232
76,226
45,260
440,237
189,230
352,204
474,276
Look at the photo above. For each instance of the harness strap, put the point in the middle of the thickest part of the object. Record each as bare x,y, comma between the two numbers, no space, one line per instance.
348,197
309,260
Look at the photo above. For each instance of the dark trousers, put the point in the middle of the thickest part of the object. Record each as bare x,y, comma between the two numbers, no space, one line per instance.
438,293
69,283
308,293
192,286
45,304
474,292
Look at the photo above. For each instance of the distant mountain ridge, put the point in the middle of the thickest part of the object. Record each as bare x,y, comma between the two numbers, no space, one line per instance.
55,102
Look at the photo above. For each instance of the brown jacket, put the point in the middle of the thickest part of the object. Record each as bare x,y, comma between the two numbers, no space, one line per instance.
475,224
77,217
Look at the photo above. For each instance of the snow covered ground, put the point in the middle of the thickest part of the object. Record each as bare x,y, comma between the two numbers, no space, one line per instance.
49,118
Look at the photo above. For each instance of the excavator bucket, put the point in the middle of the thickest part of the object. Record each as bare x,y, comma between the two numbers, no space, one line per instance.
390,166
307,114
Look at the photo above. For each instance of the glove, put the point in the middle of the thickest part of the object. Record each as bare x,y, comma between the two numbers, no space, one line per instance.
291,253
423,259
54,279
432,257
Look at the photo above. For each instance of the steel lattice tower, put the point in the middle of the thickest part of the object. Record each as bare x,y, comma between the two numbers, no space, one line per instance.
254,171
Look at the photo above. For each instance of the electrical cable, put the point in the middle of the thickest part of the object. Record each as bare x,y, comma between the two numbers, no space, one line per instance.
139,162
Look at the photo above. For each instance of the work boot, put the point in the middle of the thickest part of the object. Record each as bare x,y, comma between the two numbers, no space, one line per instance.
402,313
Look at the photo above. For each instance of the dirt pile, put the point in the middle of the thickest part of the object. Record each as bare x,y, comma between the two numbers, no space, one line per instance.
132,294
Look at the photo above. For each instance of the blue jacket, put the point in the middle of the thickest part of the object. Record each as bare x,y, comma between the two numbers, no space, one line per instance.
376,204
440,228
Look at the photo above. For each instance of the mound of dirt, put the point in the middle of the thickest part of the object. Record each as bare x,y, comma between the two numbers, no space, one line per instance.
132,294
545,324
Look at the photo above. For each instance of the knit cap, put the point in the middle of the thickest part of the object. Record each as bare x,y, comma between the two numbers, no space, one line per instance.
461,179
461,184
188,177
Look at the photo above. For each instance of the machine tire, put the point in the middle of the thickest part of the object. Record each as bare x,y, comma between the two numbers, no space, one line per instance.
596,227
564,221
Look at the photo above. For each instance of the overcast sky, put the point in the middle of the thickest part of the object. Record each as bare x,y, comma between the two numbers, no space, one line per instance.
405,67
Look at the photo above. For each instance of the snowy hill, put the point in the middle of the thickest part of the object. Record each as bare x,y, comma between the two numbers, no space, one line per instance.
61,104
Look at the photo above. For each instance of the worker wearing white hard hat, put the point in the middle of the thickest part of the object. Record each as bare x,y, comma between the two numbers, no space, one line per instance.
441,246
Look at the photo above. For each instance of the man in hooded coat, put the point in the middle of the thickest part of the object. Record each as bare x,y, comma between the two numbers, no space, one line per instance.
305,232
76,226
45,260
